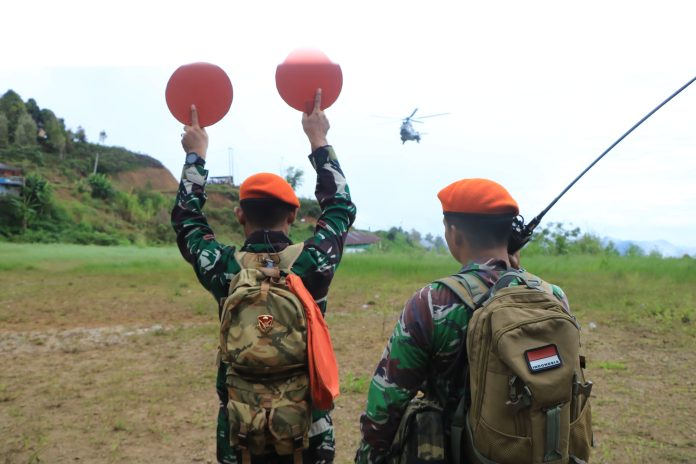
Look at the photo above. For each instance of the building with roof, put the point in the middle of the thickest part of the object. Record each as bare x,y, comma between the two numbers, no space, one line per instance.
358,241
11,180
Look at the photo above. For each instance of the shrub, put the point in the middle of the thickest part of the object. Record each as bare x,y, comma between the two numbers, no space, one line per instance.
101,186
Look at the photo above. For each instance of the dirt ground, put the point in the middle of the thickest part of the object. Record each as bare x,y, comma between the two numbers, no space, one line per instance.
107,378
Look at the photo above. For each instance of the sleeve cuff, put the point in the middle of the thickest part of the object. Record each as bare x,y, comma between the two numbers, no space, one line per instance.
321,156
195,174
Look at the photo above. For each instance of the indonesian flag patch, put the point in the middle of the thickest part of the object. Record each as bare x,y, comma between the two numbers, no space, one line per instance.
543,358
265,323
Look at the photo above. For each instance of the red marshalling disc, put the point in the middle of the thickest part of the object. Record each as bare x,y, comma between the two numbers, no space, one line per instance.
204,85
302,73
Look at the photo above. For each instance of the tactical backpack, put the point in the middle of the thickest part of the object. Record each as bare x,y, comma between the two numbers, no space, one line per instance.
263,342
529,401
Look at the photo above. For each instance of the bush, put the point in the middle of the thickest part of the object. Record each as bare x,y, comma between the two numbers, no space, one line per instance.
101,186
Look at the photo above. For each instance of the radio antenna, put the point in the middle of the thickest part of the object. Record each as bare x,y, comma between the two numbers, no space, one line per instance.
521,234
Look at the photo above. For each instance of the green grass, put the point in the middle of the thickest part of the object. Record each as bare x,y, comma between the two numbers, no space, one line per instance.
106,402
641,290
87,258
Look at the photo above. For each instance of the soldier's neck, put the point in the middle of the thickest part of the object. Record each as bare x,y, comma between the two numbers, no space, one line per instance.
465,254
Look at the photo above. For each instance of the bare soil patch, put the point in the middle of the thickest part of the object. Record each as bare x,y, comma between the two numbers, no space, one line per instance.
109,366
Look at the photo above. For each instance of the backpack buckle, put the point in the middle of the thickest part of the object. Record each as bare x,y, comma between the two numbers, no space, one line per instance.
517,400
584,388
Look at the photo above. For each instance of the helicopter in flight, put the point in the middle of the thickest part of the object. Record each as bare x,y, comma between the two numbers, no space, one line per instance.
407,131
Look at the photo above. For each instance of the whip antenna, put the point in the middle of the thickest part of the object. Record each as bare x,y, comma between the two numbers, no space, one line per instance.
521,234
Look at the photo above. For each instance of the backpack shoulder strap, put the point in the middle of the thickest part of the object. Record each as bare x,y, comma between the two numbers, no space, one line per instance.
469,288
459,288
289,255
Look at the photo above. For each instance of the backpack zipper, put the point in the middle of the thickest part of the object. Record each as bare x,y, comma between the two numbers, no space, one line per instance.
504,330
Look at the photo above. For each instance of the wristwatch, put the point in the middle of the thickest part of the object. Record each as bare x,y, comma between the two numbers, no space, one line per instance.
193,158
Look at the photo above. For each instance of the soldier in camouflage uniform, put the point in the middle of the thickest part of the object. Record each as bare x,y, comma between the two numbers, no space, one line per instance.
427,340
215,265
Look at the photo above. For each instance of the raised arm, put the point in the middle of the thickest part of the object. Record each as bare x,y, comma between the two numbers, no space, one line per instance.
194,236
325,248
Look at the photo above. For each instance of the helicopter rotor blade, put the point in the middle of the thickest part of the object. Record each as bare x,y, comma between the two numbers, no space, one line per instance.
392,118
432,115
414,112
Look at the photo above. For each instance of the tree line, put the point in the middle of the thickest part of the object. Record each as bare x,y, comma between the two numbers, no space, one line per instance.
25,124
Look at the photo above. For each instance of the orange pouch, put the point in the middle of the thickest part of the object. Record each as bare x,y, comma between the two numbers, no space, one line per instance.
323,368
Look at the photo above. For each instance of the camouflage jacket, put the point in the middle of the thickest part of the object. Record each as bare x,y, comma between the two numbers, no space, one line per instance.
215,266
426,341
214,262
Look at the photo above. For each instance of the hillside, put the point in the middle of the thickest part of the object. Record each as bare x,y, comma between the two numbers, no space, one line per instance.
127,201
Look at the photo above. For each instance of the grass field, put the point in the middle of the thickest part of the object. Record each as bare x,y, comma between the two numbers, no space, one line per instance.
107,353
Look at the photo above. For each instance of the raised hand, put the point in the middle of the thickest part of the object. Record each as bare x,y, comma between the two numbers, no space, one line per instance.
316,125
195,138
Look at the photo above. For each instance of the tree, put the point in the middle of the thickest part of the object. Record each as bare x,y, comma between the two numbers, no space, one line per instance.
634,251
4,131
25,134
37,199
12,105
413,237
55,132
294,177
440,243
79,136
34,111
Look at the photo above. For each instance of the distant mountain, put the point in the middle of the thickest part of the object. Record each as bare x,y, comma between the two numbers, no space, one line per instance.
663,247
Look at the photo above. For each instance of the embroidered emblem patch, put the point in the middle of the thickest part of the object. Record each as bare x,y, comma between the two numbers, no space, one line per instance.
543,358
265,323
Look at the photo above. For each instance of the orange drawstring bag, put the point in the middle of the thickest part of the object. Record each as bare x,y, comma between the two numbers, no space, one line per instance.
323,368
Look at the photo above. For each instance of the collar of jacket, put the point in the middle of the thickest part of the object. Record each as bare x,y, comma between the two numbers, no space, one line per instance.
489,270
266,240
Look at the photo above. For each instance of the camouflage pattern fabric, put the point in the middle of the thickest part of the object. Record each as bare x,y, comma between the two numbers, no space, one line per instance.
215,266
425,343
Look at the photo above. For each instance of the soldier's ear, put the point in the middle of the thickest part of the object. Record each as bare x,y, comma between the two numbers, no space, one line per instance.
292,216
239,214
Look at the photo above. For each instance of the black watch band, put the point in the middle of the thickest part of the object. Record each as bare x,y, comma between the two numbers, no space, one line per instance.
194,158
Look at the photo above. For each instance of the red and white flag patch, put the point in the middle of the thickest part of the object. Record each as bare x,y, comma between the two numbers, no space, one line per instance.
543,358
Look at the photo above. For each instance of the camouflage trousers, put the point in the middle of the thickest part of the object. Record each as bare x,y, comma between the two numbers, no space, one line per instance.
322,442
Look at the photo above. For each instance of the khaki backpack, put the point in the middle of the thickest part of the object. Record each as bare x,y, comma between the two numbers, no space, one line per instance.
263,343
529,401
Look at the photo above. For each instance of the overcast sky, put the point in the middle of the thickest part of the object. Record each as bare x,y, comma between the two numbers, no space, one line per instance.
535,90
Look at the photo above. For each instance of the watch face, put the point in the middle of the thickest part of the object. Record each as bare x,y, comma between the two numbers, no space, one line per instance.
191,158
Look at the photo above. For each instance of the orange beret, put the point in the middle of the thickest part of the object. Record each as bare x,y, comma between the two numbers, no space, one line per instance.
267,185
477,196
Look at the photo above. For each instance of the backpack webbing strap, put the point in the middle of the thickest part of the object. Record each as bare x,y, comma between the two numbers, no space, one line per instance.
459,288
472,297
553,434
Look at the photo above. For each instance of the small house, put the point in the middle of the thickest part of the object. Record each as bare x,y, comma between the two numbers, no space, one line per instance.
358,241
11,180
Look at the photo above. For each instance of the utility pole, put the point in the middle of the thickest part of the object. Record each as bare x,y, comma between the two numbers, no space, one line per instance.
102,137
230,159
